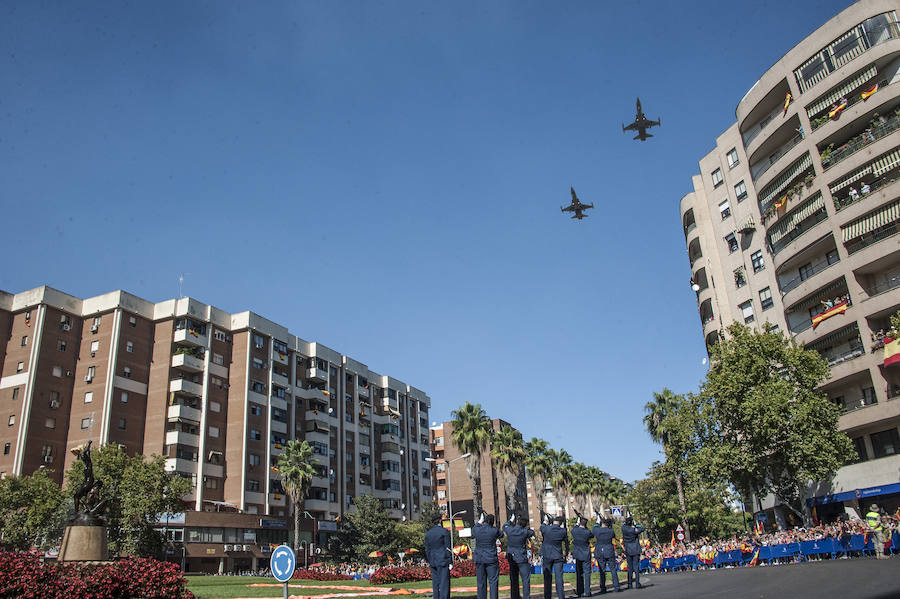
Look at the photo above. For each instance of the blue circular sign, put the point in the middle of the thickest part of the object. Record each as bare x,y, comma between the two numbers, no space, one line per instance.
282,563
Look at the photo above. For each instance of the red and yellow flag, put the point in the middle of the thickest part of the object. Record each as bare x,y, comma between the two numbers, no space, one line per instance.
787,102
672,544
891,353
780,202
837,109
828,313
755,558
865,95
623,565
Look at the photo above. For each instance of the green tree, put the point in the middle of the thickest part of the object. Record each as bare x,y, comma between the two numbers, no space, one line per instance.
296,468
581,486
561,477
508,454
137,491
538,466
372,529
472,432
761,422
659,418
32,512
431,512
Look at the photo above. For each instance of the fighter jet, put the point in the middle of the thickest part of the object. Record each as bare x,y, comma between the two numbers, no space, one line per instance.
576,206
640,124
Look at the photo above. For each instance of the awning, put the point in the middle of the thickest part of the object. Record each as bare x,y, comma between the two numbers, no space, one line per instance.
848,86
871,221
821,294
748,225
854,494
886,162
795,217
781,182
856,176
832,338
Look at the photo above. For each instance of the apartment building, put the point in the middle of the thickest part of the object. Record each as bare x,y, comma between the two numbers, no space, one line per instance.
793,221
218,395
452,483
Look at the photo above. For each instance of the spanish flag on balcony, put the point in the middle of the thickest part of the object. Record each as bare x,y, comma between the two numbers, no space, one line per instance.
828,313
891,351
781,202
836,110
865,95
787,102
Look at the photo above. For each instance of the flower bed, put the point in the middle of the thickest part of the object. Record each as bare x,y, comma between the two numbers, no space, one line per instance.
395,574
302,574
26,576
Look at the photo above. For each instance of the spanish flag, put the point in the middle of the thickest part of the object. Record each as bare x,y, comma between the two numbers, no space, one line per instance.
834,112
657,563
780,202
891,353
672,543
623,565
787,102
755,558
865,95
828,313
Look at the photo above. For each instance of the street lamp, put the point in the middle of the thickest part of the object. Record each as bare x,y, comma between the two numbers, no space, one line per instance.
449,487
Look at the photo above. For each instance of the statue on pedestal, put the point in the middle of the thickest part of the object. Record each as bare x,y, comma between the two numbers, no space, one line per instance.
89,492
85,535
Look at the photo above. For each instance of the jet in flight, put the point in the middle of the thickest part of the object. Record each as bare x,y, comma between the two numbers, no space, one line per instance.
576,206
640,124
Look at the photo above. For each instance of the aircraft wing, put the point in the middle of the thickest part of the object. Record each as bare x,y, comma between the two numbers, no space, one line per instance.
653,123
632,127
567,209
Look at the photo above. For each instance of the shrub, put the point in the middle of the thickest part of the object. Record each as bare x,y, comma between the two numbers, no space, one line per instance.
27,576
302,574
395,574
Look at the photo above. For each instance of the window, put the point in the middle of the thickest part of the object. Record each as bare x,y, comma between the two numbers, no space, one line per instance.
54,399
50,423
739,279
257,363
253,459
61,344
255,434
868,397
258,341
806,271
15,394
724,209
258,387
129,347
12,420
132,321
218,359
757,259
6,448
740,190
210,483
85,423
57,370
214,432
253,485
123,397
20,366
885,443
717,177
126,372
747,312
122,424
862,454
731,240
765,298
255,410
220,336
732,157
90,374
89,397
832,257
95,345
215,406
24,340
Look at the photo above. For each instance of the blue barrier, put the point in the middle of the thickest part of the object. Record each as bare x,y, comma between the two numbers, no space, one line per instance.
818,547
690,561
667,564
645,565
765,553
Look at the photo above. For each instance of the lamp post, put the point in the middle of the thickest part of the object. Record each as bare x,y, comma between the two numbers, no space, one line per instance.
449,490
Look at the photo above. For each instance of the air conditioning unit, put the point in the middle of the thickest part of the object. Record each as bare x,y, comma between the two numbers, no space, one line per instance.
48,459
93,354
246,547
54,403
88,378
68,373
95,328
65,327
229,548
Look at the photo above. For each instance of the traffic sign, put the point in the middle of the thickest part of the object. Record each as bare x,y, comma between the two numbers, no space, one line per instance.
680,536
616,511
282,563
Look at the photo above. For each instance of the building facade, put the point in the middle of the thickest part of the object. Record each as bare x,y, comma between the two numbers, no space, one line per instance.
452,483
218,395
793,221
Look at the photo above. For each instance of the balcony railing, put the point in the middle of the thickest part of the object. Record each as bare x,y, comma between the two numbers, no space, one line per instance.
837,358
878,288
862,140
801,228
757,170
864,241
816,269
862,402
689,228
843,202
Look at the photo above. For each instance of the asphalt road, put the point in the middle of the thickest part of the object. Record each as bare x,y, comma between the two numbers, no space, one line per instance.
865,578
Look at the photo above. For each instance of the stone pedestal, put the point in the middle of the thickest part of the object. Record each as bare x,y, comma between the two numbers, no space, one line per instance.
84,541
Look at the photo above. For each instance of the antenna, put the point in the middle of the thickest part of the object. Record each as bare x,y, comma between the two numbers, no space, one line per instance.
180,283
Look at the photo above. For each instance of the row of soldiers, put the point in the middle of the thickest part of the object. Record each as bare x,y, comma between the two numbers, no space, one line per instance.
554,548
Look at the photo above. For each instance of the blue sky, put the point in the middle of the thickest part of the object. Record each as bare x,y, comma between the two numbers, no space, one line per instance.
385,178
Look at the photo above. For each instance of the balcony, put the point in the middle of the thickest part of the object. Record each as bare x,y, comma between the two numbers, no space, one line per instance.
317,375
187,363
182,438
180,465
180,412
390,451
317,505
187,387
280,356
863,140
276,499
758,169
363,392
281,381
191,337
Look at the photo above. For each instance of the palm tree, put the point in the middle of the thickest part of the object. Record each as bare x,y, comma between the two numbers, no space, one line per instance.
658,417
599,489
472,432
508,454
581,486
296,468
561,477
538,466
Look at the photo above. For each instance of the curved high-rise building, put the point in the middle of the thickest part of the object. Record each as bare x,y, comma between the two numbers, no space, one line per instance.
794,221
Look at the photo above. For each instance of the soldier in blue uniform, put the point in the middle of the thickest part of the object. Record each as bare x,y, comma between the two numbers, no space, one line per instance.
581,550
605,552
487,566
552,554
630,534
439,555
517,534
